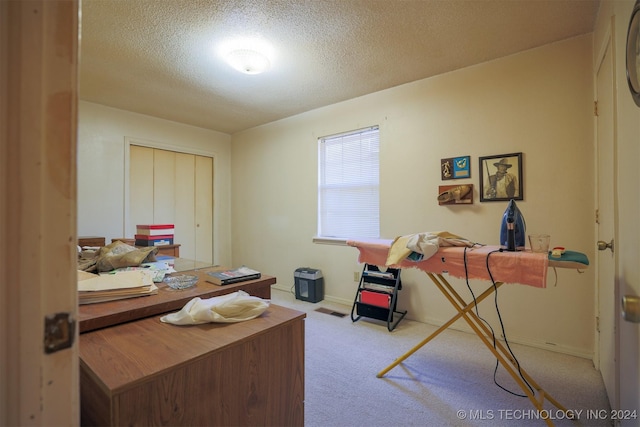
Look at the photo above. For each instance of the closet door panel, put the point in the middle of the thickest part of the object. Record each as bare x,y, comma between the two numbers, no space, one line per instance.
175,188
185,205
140,187
204,208
164,188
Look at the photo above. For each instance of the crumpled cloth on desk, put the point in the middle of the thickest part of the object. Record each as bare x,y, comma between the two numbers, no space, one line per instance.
116,255
421,246
235,307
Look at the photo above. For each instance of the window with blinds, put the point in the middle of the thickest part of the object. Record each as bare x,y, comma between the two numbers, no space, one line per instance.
348,185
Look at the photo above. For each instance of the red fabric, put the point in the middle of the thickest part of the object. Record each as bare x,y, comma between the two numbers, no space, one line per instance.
524,267
375,298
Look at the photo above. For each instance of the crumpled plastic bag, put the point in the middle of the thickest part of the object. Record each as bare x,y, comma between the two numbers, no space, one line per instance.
235,307
119,254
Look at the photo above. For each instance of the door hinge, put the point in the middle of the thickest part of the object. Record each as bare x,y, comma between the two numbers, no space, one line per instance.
598,324
597,216
595,108
59,332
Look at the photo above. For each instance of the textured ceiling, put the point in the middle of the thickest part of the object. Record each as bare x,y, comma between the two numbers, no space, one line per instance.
159,57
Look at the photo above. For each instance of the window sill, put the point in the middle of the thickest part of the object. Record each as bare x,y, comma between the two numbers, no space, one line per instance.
330,241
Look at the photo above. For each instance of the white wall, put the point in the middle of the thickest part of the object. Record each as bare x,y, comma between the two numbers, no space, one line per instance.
538,102
101,169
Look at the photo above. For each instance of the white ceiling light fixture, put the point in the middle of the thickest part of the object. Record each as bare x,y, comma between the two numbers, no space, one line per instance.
249,55
248,61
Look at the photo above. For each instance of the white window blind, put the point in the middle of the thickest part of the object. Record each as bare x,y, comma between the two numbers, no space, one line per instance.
348,185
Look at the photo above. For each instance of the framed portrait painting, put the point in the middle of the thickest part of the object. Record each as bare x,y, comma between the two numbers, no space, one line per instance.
501,177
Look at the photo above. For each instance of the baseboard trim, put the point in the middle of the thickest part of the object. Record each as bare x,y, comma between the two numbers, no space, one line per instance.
563,349
464,328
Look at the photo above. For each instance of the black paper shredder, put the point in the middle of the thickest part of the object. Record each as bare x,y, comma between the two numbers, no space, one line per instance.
309,284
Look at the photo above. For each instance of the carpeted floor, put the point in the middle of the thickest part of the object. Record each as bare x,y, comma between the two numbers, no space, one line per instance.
448,382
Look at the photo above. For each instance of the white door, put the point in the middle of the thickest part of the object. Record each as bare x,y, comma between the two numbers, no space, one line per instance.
629,270
607,289
38,279
185,217
203,208
140,186
164,189
629,356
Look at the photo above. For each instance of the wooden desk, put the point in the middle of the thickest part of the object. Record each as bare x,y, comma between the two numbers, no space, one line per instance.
100,315
151,373
169,250
94,241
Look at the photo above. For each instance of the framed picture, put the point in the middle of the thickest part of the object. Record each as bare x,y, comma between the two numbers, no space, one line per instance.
455,168
501,177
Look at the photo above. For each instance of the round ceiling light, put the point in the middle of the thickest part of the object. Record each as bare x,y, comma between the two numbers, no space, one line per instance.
248,61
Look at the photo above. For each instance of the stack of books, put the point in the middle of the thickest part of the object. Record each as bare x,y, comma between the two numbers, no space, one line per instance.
226,277
154,234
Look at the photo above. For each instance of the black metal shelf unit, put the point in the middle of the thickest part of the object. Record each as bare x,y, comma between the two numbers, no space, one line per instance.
377,296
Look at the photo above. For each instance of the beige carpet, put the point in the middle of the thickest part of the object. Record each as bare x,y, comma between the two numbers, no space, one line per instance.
448,382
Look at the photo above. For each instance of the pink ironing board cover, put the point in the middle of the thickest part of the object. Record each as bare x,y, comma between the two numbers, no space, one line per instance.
524,267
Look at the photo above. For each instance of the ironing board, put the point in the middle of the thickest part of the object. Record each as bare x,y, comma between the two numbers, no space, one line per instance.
482,263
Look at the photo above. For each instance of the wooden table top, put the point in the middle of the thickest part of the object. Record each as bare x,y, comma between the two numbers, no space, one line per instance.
124,355
100,315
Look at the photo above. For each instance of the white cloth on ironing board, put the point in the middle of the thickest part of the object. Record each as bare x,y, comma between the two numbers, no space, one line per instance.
426,244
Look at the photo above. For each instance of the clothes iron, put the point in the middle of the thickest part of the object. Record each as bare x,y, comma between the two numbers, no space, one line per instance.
512,229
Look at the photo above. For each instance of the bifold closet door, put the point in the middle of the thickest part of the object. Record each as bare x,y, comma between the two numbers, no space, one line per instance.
140,187
167,187
185,201
204,208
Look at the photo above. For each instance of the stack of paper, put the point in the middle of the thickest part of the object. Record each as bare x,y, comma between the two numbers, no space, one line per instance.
94,288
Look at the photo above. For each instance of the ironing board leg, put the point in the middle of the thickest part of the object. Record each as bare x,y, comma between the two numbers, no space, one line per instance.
484,333
437,331
498,350
514,363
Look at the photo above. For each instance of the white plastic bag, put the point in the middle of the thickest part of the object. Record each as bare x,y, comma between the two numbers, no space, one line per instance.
235,307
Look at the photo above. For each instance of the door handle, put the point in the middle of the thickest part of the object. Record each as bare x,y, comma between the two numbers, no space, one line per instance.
603,246
631,308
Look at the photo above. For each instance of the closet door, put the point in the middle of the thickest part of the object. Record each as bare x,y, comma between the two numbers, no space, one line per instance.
168,187
164,187
204,208
185,179
140,187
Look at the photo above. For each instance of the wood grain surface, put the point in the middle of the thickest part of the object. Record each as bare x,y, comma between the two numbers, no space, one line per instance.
152,373
100,315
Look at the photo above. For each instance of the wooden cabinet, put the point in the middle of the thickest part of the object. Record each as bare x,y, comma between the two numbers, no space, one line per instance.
151,373
94,241
167,250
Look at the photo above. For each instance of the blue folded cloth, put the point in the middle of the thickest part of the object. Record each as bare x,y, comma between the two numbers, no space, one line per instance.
571,256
